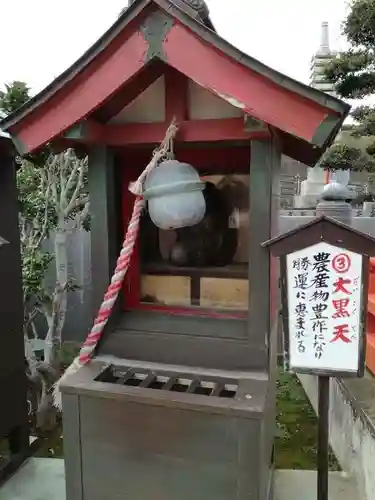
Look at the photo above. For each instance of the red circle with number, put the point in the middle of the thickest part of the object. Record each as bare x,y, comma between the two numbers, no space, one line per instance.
341,263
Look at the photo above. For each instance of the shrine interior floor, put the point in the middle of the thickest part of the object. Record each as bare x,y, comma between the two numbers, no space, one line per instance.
43,479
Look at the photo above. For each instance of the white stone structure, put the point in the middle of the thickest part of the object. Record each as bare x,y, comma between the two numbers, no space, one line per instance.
313,186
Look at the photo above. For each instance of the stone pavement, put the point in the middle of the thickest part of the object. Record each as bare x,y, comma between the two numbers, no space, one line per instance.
43,479
301,485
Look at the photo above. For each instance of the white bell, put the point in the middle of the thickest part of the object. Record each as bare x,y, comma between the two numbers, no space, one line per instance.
174,192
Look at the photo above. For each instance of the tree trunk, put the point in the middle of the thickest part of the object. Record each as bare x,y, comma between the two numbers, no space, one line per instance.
30,355
52,342
57,316
61,261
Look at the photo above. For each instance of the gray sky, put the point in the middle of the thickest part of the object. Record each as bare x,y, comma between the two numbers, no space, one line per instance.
41,38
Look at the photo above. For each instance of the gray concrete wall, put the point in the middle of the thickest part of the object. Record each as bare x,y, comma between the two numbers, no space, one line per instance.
79,318
350,436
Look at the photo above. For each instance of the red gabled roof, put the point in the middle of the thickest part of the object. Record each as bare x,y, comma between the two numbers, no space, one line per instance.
151,30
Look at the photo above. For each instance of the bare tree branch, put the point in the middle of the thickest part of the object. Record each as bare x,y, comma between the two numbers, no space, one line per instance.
44,229
63,171
51,179
72,176
76,192
81,203
85,212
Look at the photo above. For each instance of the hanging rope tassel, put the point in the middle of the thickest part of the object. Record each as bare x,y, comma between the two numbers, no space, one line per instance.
122,266
111,295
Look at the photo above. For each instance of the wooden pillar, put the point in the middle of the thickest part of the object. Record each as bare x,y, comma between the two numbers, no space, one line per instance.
264,171
13,400
105,209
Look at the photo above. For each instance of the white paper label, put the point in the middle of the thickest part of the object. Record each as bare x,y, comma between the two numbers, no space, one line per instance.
324,302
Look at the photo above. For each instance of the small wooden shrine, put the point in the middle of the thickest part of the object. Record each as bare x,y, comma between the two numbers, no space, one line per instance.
179,399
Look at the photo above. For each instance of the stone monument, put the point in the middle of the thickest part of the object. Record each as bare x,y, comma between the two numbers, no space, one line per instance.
333,202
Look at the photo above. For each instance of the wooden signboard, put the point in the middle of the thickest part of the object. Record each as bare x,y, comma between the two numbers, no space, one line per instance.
325,333
324,287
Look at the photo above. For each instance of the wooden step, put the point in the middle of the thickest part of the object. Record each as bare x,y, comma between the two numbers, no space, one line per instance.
370,353
370,347
371,304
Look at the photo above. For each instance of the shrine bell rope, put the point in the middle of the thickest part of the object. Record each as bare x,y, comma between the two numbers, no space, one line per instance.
164,151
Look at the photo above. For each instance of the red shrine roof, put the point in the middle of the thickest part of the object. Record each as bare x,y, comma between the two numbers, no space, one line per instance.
157,33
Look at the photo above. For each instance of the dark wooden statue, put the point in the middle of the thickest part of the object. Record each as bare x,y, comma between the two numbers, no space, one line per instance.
211,242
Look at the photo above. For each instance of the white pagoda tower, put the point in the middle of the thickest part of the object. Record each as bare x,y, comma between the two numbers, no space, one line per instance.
313,186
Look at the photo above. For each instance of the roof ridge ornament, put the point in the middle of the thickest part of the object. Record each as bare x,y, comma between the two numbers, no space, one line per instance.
199,5
196,4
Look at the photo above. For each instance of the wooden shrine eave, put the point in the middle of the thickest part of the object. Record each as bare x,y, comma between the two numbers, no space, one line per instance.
190,131
151,32
129,91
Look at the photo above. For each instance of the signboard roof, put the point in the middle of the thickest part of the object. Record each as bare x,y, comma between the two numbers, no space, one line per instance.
321,229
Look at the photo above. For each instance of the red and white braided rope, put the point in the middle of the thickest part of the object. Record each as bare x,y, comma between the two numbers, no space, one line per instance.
115,286
122,265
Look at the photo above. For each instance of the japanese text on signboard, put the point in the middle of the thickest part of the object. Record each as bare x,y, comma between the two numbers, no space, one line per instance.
324,304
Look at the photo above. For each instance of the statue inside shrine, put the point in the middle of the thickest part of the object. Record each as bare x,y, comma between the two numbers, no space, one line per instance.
214,241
